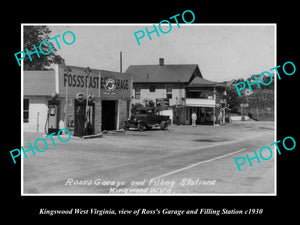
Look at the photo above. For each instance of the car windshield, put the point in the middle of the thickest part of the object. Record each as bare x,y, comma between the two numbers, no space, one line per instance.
142,111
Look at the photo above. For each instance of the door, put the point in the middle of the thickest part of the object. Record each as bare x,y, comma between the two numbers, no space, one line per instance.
79,118
151,118
109,115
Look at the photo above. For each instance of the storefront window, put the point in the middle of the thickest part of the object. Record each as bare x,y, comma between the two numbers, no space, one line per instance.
152,88
203,94
169,91
137,92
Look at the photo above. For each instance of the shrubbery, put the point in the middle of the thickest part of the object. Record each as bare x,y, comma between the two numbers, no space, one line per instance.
261,101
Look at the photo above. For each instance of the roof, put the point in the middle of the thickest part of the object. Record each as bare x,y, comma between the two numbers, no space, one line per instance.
166,73
201,82
39,83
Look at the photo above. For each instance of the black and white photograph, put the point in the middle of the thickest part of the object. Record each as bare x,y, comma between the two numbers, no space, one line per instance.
141,111
164,109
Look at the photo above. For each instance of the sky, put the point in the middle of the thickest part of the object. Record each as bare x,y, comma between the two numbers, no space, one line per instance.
222,51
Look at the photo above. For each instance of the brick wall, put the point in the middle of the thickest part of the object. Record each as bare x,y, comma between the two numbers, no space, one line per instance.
66,115
123,112
98,116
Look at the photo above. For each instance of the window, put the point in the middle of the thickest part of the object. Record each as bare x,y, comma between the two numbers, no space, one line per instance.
152,88
137,92
195,93
25,110
169,91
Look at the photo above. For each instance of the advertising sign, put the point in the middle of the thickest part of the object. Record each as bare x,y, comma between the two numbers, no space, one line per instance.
162,102
244,105
109,85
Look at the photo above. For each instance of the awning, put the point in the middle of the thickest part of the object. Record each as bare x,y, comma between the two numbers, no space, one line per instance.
201,105
196,102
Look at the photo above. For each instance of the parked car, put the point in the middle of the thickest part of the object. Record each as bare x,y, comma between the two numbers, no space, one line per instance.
146,118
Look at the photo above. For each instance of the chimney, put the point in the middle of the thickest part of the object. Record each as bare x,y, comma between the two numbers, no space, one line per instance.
161,61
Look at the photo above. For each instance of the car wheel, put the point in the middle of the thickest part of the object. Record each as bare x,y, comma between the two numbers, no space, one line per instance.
149,127
164,125
167,126
141,127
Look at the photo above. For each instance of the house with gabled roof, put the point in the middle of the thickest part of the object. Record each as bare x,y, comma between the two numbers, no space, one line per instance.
179,86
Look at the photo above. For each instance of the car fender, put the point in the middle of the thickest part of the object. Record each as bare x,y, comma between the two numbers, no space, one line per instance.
141,122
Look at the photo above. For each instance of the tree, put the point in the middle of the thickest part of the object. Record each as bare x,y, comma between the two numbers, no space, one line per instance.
33,36
233,99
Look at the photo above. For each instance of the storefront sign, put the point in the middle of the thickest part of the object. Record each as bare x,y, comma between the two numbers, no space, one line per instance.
107,84
244,105
111,85
80,96
162,102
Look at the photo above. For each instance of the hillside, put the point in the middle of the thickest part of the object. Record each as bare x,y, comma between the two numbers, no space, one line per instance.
261,102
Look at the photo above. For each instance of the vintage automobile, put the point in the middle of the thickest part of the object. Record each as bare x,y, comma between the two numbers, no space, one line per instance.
146,118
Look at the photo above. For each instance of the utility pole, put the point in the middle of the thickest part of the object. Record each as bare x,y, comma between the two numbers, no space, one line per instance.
120,62
214,92
67,70
88,71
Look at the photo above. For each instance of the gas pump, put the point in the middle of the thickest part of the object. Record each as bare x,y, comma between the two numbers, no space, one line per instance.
51,124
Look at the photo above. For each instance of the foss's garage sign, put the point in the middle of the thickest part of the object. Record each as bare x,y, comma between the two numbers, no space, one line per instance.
78,79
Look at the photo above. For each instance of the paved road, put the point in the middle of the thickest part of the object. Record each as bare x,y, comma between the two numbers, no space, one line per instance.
182,160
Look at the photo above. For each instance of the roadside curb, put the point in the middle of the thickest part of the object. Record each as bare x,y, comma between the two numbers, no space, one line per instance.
93,136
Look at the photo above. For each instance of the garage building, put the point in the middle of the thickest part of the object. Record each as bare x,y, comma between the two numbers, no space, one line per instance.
83,100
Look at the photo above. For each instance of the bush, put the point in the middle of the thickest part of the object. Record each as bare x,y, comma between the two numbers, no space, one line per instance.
261,102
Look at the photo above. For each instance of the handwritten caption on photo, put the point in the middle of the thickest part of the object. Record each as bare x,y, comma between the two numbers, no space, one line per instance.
145,186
